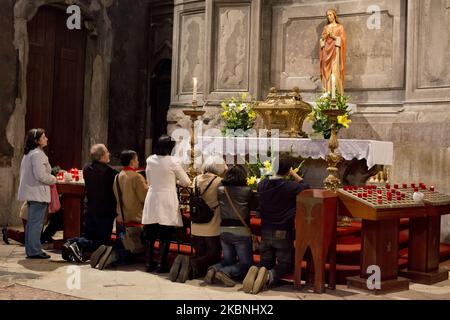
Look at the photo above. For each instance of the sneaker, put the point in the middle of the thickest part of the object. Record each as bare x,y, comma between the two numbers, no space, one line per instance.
66,252
173,274
43,255
5,235
210,275
185,270
261,281
107,258
96,255
249,279
76,252
225,279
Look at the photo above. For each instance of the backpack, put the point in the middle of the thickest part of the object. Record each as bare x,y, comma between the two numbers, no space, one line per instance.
200,211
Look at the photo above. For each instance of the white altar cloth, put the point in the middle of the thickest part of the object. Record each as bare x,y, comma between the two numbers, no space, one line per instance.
375,152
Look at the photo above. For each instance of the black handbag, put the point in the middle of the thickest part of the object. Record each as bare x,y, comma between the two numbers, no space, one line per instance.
199,210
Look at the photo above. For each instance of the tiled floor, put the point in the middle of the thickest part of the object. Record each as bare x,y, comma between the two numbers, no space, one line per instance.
52,279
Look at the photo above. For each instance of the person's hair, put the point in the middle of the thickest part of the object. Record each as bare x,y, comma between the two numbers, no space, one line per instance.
215,165
335,16
235,176
284,165
31,141
97,151
165,145
126,156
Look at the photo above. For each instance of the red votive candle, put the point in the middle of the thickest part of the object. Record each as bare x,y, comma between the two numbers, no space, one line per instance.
379,191
365,195
369,191
405,186
431,188
413,185
388,186
360,195
389,196
380,201
396,186
416,189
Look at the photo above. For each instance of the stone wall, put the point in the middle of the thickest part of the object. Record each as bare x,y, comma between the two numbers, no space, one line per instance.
14,51
8,92
128,82
396,74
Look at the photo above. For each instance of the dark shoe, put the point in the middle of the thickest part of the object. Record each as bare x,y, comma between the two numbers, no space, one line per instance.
174,271
261,281
225,279
96,255
5,235
210,275
185,270
108,258
45,238
249,280
43,255
76,252
150,267
161,268
66,252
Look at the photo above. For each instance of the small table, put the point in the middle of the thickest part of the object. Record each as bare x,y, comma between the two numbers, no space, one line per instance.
424,242
380,229
72,201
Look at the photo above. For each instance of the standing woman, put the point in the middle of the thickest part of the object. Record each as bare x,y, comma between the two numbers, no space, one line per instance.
161,213
34,187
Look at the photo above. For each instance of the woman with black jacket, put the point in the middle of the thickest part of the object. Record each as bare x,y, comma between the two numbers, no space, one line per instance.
235,198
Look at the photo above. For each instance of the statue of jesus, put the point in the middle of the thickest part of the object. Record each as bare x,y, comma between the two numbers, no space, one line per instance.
332,54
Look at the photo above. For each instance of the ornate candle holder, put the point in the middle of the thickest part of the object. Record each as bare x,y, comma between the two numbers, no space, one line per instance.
332,181
193,113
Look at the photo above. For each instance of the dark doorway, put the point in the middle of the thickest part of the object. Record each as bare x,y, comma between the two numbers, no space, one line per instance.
55,84
160,98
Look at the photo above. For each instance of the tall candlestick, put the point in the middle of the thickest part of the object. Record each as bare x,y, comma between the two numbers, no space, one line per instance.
194,91
333,87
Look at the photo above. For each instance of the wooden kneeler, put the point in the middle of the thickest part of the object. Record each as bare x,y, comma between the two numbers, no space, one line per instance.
315,226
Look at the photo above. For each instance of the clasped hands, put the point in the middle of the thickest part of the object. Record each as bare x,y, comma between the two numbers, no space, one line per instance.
329,34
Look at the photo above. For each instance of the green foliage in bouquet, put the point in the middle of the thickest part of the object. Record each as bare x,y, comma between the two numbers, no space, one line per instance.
238,114
321,123
55,170
262,170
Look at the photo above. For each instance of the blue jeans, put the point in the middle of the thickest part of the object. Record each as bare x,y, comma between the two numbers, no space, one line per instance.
33,229
237,255
277,252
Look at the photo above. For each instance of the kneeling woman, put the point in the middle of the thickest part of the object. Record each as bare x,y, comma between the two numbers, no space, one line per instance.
236,200
161,213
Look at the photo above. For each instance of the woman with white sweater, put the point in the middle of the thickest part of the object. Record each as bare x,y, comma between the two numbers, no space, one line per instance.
34,187
161,213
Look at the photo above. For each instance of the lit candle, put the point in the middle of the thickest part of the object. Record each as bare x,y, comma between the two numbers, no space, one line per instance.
333,87
194,90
